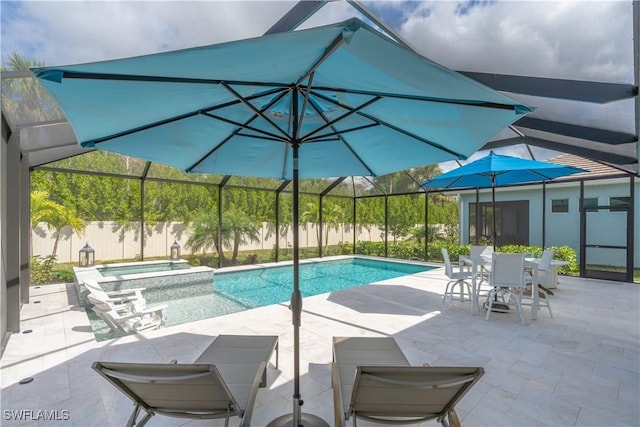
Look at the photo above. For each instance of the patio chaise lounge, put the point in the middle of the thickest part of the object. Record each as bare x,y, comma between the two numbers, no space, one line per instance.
373,380
223,381
128,319
113,298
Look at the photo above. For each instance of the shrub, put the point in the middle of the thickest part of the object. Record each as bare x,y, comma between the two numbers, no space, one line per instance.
63,275
41,269
566,253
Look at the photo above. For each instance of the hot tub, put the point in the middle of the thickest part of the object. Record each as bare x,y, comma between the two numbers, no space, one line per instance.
159,278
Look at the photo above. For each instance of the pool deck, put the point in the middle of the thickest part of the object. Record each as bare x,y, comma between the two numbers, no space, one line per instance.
581,368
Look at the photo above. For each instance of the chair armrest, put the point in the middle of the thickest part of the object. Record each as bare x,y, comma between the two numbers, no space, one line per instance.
454,421
251,401
337,396
137,292
148,310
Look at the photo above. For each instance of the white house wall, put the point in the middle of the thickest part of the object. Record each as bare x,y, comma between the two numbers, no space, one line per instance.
563,229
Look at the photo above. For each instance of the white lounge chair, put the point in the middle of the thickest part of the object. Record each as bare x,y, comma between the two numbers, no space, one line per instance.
128,320
113,298
222,383
373,380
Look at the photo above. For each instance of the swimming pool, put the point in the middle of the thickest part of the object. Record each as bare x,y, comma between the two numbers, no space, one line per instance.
233,291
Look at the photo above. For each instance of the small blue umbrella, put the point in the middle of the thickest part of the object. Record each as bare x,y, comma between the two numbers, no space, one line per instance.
497,170
333,101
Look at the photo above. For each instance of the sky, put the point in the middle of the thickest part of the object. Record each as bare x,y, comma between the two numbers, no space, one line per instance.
581,40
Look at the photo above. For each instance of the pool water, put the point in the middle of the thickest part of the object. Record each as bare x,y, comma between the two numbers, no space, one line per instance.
243,290
266,286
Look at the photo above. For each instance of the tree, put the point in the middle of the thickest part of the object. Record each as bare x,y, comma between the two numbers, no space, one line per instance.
204,233
406,181
237,229
42,208
54,215
63,219
241,230
24,97
332,217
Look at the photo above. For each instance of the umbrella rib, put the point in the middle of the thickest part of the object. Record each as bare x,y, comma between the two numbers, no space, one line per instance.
346,144
93,142
254,109
350,112
337,133
419,138
467,102
304,106
246,126
236,131
335,44
161,79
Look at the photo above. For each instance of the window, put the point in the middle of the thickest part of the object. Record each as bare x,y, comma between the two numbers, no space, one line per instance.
618,204
512,223
590,202
559,205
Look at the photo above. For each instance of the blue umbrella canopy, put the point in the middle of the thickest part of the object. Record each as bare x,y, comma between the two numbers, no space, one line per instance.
339,100
356,102
497,170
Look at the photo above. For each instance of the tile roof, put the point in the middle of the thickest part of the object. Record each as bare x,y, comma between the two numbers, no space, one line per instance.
595,169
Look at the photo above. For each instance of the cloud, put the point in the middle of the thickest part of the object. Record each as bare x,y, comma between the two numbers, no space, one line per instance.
588,40
582,40
62,32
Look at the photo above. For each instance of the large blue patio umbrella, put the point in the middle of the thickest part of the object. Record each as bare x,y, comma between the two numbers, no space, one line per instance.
333,101
497,170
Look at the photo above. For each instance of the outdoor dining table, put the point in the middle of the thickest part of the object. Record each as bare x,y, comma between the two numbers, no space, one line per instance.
530,263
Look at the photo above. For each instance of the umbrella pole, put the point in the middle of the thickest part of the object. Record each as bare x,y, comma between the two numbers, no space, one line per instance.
493,210
296,297
497,306
296,418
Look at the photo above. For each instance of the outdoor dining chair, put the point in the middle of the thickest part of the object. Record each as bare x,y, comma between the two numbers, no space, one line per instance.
458,278
535,283
507,280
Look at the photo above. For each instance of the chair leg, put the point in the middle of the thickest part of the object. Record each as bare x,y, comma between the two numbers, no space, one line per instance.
450,290
546,302
519,307
446,292
489,302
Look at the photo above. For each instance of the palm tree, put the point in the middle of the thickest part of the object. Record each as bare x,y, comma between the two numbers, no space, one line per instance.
65,218
237,229
204,234
44,210
242,230
23,97
332,217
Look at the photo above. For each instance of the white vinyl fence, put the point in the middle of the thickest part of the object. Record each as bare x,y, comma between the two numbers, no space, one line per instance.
112,242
